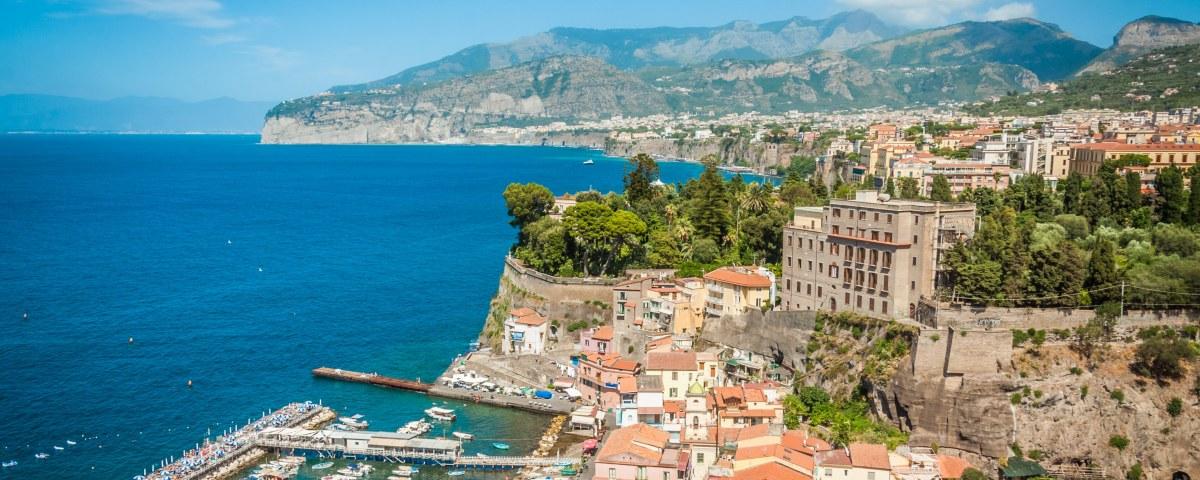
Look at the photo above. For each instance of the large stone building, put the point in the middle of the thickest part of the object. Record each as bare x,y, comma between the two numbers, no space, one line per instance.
873,255
1086,159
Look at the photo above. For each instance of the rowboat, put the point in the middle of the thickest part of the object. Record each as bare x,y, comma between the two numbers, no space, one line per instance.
500,446
322,465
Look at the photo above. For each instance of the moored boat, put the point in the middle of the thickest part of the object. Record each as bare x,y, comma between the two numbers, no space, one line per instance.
42,456
501,446
10,463
456,473
322,465
463,436
440,413
355,422
589,162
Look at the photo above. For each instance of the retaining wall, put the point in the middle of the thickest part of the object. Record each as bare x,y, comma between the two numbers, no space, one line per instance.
558,289
1051,318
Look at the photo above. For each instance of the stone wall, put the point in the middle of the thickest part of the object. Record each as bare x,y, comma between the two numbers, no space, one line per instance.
558,289
1051,318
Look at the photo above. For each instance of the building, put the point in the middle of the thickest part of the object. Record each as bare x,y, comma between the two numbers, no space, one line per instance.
734,290
596,340
873,255
964,175
678,370
677,308
1087,158
600,377
640,452
859,461
746,405
561,204
525,332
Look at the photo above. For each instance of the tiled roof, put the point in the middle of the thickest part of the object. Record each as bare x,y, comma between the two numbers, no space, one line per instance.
834,458
627,385
733,277
770,471
637,444
673,361
603,333
951,467
870,455
527,316
1126,147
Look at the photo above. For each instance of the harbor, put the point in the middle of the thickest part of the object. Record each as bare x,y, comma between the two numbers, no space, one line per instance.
469,388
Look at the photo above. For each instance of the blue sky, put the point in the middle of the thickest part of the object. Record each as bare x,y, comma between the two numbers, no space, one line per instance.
275,49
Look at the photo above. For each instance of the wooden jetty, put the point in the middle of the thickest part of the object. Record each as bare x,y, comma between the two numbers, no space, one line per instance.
544,406
371,378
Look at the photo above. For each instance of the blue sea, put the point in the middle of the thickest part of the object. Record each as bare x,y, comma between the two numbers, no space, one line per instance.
241,267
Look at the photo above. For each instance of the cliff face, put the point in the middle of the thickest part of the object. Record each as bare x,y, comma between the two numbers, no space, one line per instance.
1141,36
540,92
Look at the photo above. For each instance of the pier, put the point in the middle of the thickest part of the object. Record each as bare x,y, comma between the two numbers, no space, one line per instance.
550,406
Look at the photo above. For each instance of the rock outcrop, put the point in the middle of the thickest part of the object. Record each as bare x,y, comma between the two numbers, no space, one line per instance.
1142,36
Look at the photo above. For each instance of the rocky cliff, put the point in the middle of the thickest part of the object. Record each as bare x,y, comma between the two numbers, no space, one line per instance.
1142,36
632,48
540,92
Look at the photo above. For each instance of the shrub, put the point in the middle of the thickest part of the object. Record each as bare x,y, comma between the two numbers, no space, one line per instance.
973,474
577,325
1135,472
1083,392
1037,455
1175,407
1016,449
1019,337
1118,442
1117,395
1037,394
1076,371
935,337
1015,398
1161,357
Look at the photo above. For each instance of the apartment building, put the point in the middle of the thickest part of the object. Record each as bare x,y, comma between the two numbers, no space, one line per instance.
734,290
873,255
1086,159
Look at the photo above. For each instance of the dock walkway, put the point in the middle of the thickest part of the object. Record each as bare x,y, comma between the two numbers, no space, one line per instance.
552,406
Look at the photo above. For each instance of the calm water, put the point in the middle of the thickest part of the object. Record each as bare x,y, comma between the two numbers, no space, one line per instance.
372,258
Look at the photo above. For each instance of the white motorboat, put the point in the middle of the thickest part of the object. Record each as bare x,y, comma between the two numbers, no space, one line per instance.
463,436
352,422
439,413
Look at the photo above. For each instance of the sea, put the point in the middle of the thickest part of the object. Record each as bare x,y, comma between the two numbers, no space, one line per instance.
133,264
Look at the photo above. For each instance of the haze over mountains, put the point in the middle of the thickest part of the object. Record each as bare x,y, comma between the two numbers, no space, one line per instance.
49,113
850,60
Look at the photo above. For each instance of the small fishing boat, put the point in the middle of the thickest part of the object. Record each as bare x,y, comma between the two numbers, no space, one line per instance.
589,162
440,413
322,465
481,455
10,463
405,470
501,446
56,447
463,436
71,442
42,456
569,471
353,422
456,473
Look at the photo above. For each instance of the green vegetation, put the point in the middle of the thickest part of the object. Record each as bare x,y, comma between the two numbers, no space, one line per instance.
1175,407
846,420
693,227
1117,395
1161,357
1142,84
973,474
1134,472
1118,442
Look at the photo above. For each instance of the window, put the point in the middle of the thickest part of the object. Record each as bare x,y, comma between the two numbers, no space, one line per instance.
862,215
828,472
699,458
914,261
870,475
789,240
858,300
789,260
871,304
885,310
887,237
913,285
820,268
641,473
819,290
889,219
808,289
810,265
789,281
821,246
885,285
674,392
871,281
915,241
810,244
876,216
612,473
674,376
835,229
837,213
874,235
847,298
667,476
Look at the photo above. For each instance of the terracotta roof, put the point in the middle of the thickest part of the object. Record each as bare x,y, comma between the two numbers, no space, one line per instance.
870,455
637,444
603,333
674,406
623,364
770,471
951,467
674,361
754,395
627,385
834,458
1138,146
801,440
527,316
732,277
749,413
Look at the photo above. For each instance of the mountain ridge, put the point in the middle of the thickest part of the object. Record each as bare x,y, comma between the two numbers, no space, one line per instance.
1141,36
631,48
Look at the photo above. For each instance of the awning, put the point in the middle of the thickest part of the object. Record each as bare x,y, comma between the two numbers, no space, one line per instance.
573,392
563,383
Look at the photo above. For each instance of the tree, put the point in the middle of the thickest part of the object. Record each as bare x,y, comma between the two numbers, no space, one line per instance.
1133,189
908,188
662,251
639,181
710,213
527,203
1102,271
939,191
587,224
1193,211
1072,193
1160,358
705,250
1169,185
1056,270
890,187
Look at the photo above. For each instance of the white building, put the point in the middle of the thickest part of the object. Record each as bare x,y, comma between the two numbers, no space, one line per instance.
525,332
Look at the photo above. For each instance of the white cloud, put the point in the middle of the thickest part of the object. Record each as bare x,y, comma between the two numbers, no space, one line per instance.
1009,11
916,12
223,38
193,13
272,58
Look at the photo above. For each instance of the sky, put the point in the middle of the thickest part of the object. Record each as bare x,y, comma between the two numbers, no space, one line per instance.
279,49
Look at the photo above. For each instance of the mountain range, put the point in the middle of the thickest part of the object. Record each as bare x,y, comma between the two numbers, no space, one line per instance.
850,60
49,113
